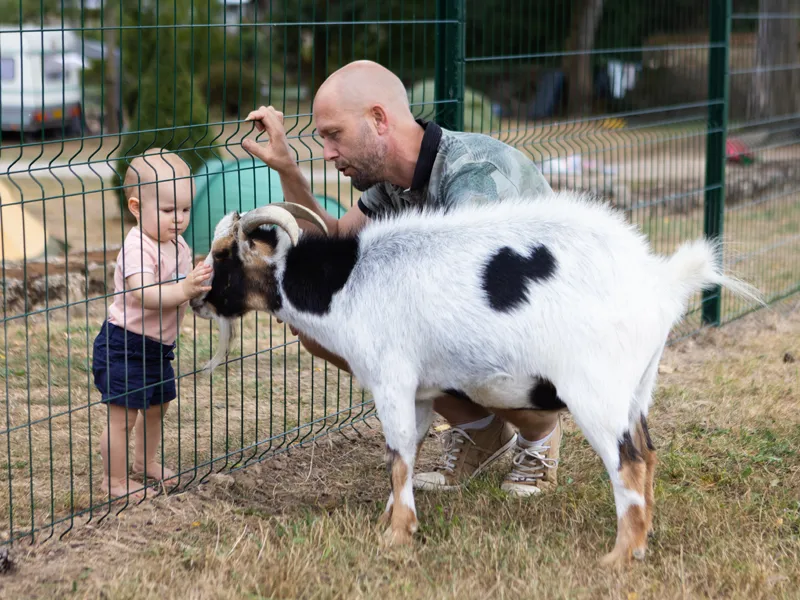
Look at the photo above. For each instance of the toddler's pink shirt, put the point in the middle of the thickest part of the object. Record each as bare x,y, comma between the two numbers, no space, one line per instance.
168,262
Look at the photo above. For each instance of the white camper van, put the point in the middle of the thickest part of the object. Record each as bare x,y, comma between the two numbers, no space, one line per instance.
40,72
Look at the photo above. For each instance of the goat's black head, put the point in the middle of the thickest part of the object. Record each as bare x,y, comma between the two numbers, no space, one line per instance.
244,255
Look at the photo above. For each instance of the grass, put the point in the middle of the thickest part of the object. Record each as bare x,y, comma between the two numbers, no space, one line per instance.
268,397
303,525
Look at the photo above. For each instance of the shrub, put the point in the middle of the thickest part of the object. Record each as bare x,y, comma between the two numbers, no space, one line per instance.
231,87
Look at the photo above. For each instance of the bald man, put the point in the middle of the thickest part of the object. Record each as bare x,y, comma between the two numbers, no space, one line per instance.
362,114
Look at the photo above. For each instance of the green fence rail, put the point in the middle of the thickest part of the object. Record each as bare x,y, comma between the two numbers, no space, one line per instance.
684,113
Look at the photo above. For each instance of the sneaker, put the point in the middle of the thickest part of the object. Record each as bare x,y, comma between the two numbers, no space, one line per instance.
535,466
466,454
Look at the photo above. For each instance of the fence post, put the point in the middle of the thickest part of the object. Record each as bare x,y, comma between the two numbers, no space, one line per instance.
449,82
719,42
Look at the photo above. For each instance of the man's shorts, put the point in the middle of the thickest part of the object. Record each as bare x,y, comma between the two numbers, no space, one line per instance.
132,370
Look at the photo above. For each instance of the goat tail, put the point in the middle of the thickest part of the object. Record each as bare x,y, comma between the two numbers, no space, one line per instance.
227,334
697,266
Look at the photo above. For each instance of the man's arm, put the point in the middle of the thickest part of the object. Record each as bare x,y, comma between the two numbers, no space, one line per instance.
277,154
296,189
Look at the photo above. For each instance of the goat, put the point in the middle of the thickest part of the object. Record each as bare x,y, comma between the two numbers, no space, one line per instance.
492,301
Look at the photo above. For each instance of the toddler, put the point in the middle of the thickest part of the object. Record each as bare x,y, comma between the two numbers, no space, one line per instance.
153,283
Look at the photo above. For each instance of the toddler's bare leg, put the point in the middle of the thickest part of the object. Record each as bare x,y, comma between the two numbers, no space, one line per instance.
114,450
148,438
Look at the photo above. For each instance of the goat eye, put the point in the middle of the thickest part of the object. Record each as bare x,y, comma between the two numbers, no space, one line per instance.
222,254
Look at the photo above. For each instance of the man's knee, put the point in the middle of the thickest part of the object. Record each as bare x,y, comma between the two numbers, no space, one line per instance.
310,345
315,349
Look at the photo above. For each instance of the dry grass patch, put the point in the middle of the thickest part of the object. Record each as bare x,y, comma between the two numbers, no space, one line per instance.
303,524
269,396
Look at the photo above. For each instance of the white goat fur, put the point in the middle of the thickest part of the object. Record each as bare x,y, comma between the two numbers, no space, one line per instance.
413,319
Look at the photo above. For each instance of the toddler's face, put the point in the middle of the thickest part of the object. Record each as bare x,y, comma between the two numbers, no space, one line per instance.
164,211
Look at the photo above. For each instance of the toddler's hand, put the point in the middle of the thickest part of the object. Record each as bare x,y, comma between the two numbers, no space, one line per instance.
193,284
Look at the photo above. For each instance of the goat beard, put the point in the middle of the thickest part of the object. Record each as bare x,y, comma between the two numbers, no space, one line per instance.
227,335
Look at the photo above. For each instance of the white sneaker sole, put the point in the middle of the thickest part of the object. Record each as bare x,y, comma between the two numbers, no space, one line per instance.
520,490
430,486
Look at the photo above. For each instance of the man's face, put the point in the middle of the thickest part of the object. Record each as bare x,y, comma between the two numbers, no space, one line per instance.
352,145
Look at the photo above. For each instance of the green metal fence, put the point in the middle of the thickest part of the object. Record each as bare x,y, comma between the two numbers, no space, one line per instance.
684,113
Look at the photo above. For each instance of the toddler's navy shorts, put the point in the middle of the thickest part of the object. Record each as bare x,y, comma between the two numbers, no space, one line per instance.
132,370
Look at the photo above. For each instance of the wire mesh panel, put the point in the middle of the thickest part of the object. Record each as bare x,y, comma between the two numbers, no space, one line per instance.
89,86
627,100
762,188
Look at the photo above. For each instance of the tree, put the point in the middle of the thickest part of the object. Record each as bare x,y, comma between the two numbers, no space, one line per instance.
111,100
776,83
578,63
161,98
34,13
356,32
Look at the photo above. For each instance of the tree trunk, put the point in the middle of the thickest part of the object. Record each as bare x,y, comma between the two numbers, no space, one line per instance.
320,57
578,64
775,89
325,11
111,100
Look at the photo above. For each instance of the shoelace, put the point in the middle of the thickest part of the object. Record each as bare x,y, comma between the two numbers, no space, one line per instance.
530,463
453,440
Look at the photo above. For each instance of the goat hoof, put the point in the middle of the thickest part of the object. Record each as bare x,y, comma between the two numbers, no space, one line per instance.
616,559
397,537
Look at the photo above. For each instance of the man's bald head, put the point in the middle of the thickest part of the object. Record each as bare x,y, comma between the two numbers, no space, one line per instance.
362,114
361,84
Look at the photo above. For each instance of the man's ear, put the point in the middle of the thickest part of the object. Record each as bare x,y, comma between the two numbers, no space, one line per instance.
380,118
134,206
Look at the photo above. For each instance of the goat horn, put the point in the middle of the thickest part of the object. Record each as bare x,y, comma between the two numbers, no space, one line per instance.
271,215
302,213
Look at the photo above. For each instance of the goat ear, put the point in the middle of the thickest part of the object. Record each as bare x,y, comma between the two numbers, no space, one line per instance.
236,226
241,236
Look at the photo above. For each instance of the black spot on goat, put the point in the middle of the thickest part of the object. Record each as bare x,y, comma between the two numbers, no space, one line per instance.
229,281
507,274
646,431
316,269
628,453
543,396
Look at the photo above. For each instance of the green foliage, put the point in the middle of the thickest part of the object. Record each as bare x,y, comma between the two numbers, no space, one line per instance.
170,113
161,99
232,86
32,11
239,64
347,31
163,40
